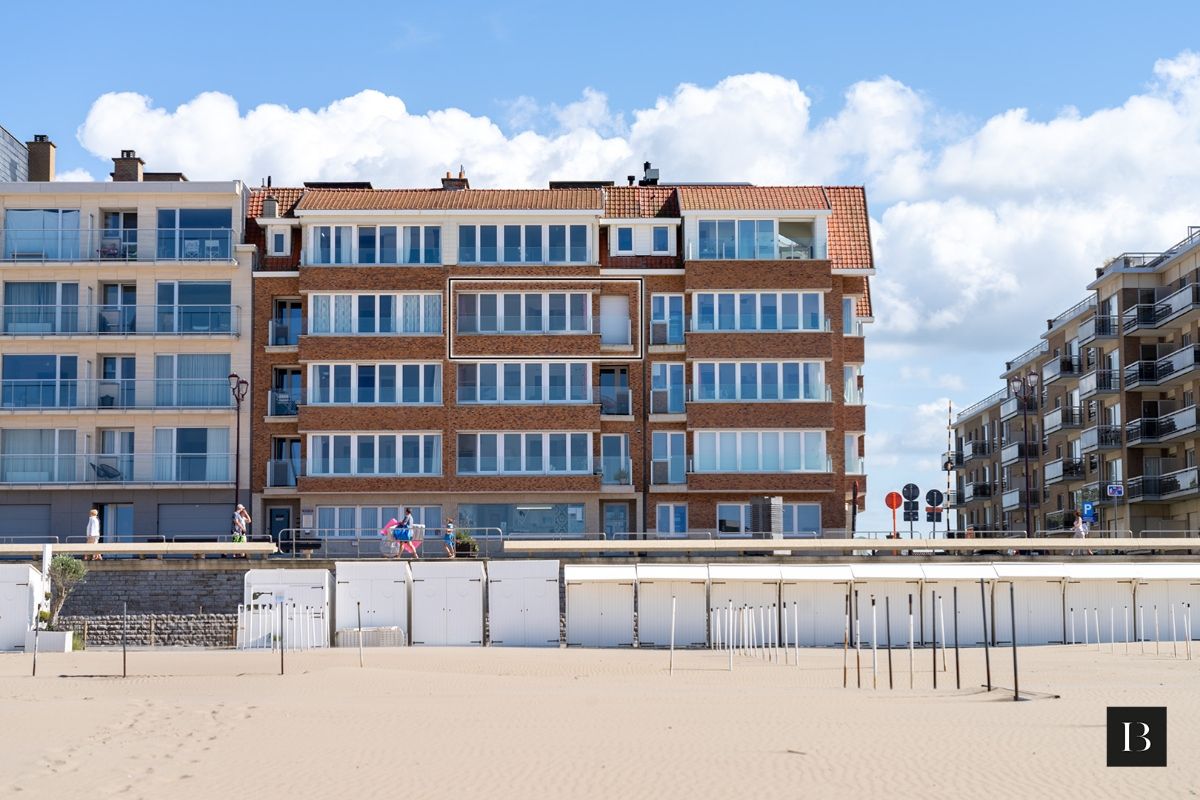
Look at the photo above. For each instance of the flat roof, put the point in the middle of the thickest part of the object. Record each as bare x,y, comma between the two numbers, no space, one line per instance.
744,572
672,572
816,572
891,572
599,572
1058,571
958,572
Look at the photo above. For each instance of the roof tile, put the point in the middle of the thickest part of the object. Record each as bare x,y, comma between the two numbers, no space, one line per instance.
286,197
849,228
442,200
752,198
634,202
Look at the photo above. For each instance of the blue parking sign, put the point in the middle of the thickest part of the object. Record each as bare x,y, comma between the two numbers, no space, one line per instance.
1089,512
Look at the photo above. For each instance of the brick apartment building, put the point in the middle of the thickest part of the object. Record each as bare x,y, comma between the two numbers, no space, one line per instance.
1115,379
581,358
125,309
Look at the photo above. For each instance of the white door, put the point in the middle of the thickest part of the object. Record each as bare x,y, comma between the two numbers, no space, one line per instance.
821,612
616,614
429,611
584,614
896,594
1039,606
14,604
970,611
388,604
614,319
541,612
506,611
654,613
464,612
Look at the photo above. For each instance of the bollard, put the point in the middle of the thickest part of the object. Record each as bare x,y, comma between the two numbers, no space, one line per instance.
887,616
987,658
874,648
1012,612
846,642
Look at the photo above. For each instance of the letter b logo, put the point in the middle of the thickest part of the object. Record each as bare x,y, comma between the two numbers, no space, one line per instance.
1137,737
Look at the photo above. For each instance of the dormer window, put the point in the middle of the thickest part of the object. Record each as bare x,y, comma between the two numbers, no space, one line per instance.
737,238
279,241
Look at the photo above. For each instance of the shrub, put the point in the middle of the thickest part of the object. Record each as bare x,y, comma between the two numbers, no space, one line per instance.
65,574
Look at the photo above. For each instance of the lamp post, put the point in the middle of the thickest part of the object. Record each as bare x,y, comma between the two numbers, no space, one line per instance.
1024,388
237,387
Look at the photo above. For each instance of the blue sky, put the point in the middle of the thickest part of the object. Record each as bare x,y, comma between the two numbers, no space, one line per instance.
1006,150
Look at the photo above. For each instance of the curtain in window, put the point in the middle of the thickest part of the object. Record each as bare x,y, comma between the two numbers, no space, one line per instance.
164,454
343,313
29,307
321,313
202,380
28,455
411,314
218,455
433,313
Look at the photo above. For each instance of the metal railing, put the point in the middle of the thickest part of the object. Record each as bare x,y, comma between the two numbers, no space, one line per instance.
1181,361
616,471
983,404
1099,380
1100,437
283,473
1101,326
1057,367
975,449
1015,405
1029,355
1063,469
119,320
115,394
283,404
1164,486
1062,417
1072,312
974,491
117,244
108,469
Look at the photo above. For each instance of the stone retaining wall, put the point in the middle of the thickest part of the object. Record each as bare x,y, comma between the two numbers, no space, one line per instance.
195,630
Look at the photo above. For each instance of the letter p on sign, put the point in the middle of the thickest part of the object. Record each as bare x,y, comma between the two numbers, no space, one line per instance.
1137,736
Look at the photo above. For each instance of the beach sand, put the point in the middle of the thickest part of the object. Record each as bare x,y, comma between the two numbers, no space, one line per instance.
509,723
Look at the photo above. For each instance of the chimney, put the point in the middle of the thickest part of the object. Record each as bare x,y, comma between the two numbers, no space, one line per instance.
270,207
632,179
455,184
128,167
650,176
41,158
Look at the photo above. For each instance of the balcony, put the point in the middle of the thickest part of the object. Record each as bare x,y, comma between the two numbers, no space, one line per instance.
1017,451
283,473
116,320
143,245
283,404
1063,469
1143,315
1015,498
1147,430
1178,365
1091,493
856,465
667,401
614,401
284,333
952,457
1062,418
1060,520
1016,405
784,392
543,324
1099,381
1059,367
1163,487
114,395
616,471
1099,327
108,470
977,449
669,471
1100,437
976,491
854,395
667,332
1170,308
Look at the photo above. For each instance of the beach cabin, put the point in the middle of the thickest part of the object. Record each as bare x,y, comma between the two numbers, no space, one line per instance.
1105,591
600,604
20,591
380,591
814,603
311,588
1038,595
946,580
657,584
754,587
893,583
1162,587
447,603
523,603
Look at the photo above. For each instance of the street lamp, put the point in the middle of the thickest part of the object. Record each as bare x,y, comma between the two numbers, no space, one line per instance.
1025,389
237,387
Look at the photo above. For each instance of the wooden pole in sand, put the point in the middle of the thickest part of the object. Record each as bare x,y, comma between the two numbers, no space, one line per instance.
874,648
1126,616
1187,630
358,605
124,636
857,641
941,609
1157,639
1085,627
846,642
281,642
887,621
957,670
1112,631
1012,614
37,626
672,667
987,658
1072,625
1096,616
1174,635
796,625
729,642
783,617
933,627
911,656
1142,627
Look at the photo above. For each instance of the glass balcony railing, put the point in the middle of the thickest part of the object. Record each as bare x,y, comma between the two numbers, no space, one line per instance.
115,469
667,401
284,333
1099,327
116,394
667,332
1014,498
1163,487
854,395
1155,429
117,245
118,320
669,471
282,403
1017,451
1063,469
1099,381
1016,405
614,401
976,449
1178,364
616,471
1062,417
1059,367
1100,437
283,473
975,491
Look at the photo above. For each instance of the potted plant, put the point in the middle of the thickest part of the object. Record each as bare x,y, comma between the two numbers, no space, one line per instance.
65,574
465,544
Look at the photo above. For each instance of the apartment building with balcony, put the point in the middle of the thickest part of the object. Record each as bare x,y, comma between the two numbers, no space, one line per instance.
125,309
1116,377
582,358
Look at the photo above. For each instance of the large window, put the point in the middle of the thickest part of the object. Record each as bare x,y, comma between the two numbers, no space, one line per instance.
737,238
520,518
194,307
524,453
40,381
670,519
668,458
49,234
375,454
799,519
195,234
192,380
390,244
525,312
367,521
375,314
519,382
41,307
192,454
667,387
758,311
37,455
760,451
514,244
771,381
666,319
375,384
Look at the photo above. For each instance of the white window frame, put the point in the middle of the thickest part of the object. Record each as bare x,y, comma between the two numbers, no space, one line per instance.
698,393
501,383
653,233
545,314
617,240
669,509
524,437
740,327
286,233
333,248
401,251
737,235
422,438
425,298
545,243
383,513
315,368
780,444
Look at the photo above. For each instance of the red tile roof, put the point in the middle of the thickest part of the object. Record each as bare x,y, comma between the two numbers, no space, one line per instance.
286,197
442,200
849,228
752,198
632,202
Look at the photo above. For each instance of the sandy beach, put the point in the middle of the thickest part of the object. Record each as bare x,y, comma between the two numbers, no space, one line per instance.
581,723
